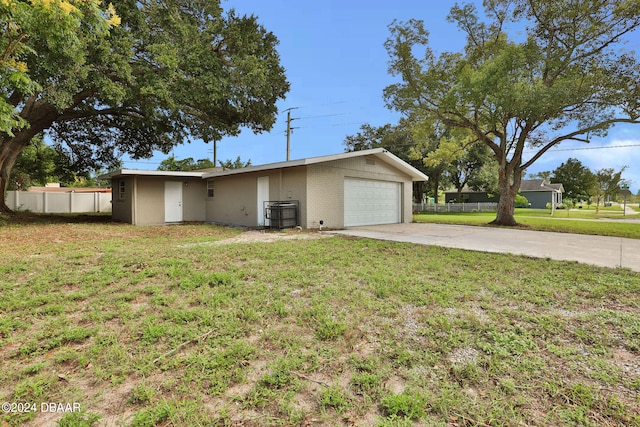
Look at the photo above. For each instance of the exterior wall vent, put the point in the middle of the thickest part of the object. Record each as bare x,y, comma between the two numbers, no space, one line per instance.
370,161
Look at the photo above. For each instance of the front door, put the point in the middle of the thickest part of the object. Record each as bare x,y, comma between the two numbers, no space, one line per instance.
173,201
263,196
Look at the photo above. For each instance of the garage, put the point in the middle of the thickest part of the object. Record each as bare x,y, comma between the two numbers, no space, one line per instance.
371,202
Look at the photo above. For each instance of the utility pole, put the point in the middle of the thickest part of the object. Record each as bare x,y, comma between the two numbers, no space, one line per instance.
288,135
215,152
289,129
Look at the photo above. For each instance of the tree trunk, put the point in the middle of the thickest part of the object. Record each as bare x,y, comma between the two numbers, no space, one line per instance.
10,149
418,191
506,204
436,184
4,209
40,116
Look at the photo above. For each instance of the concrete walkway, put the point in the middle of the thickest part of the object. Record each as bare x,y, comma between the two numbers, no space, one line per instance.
596,250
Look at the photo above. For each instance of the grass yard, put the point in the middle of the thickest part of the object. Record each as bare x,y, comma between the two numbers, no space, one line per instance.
198,325
580,222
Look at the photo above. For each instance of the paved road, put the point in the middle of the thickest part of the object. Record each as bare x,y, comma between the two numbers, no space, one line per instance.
597,250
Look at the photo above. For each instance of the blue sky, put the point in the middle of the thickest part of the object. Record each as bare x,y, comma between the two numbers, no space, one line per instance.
335,60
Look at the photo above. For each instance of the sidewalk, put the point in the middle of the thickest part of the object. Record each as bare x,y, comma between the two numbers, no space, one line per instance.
602,251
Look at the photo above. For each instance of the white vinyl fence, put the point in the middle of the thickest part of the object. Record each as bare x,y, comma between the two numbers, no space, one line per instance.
59,202
456,207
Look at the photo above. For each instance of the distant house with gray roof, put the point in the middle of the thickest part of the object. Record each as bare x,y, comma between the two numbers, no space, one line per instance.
538,192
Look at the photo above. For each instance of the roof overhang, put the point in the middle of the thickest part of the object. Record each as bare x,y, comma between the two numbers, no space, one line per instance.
379,153
134,172
543,190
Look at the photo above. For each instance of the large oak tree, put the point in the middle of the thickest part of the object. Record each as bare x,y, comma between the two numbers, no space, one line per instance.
144,75
533,73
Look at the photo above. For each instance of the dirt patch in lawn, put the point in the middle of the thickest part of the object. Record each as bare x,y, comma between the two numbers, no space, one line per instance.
253,236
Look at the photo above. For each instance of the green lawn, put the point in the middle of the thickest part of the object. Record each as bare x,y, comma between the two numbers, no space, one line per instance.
581,222
190,325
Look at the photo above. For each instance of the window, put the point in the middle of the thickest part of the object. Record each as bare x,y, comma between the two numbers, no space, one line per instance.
210,188
121,190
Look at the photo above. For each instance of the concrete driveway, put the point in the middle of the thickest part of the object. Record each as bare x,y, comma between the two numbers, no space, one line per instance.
596,250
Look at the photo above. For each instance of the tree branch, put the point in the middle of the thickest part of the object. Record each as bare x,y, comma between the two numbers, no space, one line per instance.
82,114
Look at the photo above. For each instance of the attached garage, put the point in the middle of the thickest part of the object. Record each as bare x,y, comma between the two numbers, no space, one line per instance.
371,202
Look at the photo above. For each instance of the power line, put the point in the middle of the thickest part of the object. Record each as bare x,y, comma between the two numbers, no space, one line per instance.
333,125
588,148
324,115
322,105
596,148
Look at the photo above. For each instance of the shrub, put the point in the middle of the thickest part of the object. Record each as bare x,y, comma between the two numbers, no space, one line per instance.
521,201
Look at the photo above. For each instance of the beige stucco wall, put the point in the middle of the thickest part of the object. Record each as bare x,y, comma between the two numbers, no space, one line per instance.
325,188
319,188
193,197
144,200
121,209
234,201
149,207
294,187
235,198
150,200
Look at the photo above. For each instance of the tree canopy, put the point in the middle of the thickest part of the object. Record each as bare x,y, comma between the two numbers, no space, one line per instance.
188,164
39,164
533,74
40,38
143,76
578,181
234,164
608,184
184,165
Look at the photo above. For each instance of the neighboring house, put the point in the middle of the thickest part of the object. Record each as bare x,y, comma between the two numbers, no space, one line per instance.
538,192
349,189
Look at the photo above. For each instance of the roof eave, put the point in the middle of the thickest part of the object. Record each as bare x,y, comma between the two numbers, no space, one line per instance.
133,172
380,153
414,173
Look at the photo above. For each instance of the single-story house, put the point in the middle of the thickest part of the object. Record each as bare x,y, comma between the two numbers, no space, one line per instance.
336,191
538,192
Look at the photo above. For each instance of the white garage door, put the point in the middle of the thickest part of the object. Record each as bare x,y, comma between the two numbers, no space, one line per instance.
368,202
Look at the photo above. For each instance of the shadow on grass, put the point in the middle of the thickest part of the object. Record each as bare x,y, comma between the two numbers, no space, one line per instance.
25,218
